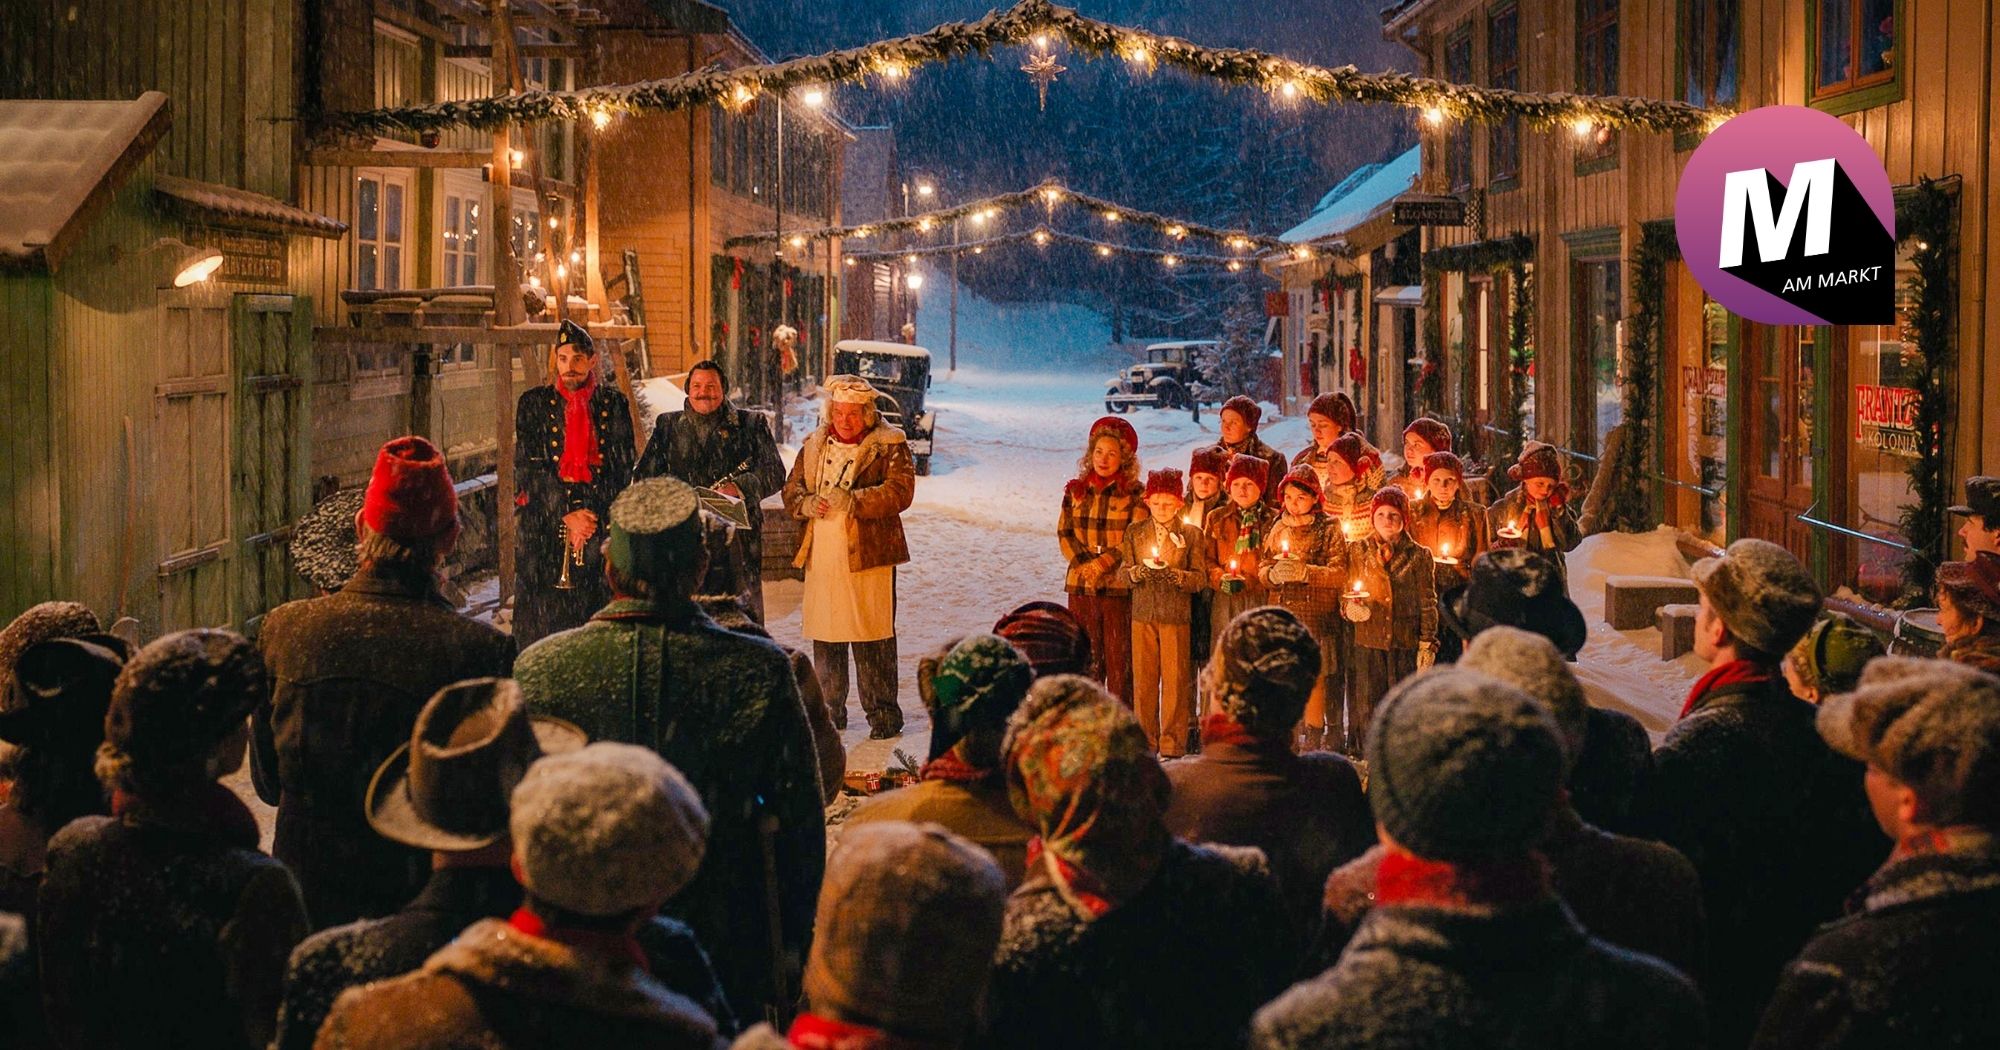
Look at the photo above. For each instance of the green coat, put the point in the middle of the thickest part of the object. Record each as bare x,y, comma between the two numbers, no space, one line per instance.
724,709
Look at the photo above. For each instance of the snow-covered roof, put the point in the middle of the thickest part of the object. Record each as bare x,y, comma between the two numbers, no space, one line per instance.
1179,343
1340,212
871,346
231,205
59,164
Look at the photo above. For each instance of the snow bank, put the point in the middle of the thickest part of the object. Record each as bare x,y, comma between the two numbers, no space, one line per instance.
1622,670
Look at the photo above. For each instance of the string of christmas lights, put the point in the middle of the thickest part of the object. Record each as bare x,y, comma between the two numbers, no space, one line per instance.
1049,195
1041,23
1042,237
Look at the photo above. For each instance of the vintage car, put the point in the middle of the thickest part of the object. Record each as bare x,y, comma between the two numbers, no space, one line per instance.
900,373
1165,379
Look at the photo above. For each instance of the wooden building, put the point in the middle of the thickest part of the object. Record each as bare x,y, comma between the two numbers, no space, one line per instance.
1761,430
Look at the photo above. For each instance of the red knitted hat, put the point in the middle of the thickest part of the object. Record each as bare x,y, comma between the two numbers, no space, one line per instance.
1537,461
1249,467
1305,478
1355,452
1974,584
1392,497
410,496
1433,433
1246,408
1335,406
1445,461
1209,460
1116,425
1165,481
1049,636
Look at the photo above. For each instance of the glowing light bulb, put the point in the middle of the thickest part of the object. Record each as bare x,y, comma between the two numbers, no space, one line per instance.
798,242
815,97
1235,266
1052,195
849,260
1289,90
1583,126
1433,116
516,158
1111,216
1177,231
600,118
1041,236
1302,252
1172,260
1103,250
925,225
741,94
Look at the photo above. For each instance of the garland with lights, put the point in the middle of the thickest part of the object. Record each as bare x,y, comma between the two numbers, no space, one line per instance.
1042,236
1041,22
1929,216
1632,506
1049,194
1520,361
1510,254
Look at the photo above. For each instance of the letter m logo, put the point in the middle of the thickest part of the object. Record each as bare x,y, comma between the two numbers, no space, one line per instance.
1810,193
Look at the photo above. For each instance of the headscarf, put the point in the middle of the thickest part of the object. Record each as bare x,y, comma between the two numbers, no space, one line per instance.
1079,768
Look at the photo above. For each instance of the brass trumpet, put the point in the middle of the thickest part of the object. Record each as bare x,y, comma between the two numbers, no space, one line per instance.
571,555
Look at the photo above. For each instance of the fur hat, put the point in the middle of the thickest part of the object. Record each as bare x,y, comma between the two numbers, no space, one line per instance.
569,333
654,529
1208,459
1436,461
1393,498
1118,426
1463,767
322,546
39,623
1517,588
61,691
978,682
848,390
1164,482
1761,593
1932,724
1354,451
1831,655
1049,635
1335,406
1269,665
1434,433
1974,585
1245,408
1305,478
182,694
1246,467
1530,663
606,829
903,940
410,498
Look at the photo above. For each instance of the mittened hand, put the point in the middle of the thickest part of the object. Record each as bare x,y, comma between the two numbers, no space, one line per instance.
1232,585
1288,570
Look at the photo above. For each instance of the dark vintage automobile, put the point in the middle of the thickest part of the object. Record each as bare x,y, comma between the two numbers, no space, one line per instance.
900,373
1165,379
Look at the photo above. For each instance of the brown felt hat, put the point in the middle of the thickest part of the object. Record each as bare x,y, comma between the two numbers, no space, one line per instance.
448,788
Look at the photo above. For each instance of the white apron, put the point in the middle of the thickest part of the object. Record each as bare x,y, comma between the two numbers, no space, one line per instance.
842,605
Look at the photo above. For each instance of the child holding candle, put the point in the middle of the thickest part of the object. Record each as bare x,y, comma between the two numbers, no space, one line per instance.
1304,565
1536,515
1097,507
1165,560
1422,437
1391,600
1204,498
1347,487
1453,528
1236,537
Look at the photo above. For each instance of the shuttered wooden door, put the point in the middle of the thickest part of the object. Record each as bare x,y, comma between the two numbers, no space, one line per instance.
272,488
192,449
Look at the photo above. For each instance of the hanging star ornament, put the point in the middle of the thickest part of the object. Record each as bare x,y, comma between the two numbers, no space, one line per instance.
1043,70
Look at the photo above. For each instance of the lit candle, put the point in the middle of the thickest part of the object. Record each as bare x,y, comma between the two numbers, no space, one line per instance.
1357,594
1510,531
1285,547
1232,566
1444,555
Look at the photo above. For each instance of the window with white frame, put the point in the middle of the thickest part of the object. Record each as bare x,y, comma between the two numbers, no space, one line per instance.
459,226
381,218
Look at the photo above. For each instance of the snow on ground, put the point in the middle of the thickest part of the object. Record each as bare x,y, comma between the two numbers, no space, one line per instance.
1622,669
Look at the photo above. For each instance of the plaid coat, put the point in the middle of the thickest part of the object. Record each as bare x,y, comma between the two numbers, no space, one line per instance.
1092,527
1319,544
1402,593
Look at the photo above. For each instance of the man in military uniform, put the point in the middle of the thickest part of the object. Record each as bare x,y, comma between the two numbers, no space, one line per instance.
573,453
651,669
1981,511
716,445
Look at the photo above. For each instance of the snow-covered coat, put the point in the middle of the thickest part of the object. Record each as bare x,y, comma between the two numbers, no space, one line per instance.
1402,592
1521,978
723,708
728,613
499,989
332,961
1091,526
1462,528
1184,552
165,928
1775,823
543,498
1913,968
1319,543
349,672
1635,893
1563,527
883,483
1181,964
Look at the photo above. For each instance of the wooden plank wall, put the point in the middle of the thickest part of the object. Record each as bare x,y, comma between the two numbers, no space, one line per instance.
30,504
644,161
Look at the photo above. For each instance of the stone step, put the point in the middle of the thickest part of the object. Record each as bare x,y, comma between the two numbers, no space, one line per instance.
1676,624
1631,601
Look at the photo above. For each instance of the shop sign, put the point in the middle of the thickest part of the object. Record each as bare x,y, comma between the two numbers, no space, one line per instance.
1885,418
1437,211
248,257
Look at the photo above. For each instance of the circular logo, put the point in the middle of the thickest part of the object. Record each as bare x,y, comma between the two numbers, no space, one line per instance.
1785,216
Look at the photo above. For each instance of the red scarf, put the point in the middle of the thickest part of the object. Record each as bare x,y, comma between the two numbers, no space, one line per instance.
597,942
1405,878
1090,893
813,1032
1219,728
1735,672
953,768
579,447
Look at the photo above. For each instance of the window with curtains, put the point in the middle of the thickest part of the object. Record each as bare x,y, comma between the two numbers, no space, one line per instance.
1503,70
1458,140
1597,69
1852,44
380,226
1709,33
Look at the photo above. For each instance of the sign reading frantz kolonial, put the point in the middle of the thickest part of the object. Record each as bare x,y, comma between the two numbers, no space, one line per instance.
1885,418
1436,211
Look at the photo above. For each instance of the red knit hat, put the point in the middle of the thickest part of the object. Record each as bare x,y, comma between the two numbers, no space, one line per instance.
1209,460
1305,478
1356,453
1250,468
1335,406
1049,636
1445,461
1164,482
1974,584
410,497
1116,425
1246,408
1392,497
1433,433
1537,461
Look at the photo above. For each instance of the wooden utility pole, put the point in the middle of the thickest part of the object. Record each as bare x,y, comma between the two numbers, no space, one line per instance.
507,307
